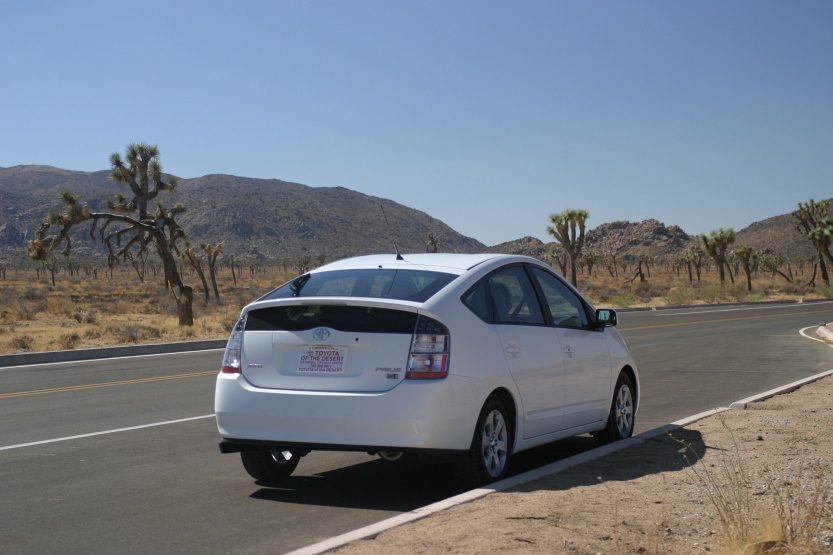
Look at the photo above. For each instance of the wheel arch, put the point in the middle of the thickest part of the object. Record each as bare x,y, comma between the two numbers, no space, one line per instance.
508,401
631,374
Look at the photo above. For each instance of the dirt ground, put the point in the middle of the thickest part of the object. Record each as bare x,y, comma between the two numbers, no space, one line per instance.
763,467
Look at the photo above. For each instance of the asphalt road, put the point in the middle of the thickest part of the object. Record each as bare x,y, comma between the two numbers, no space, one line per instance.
121,455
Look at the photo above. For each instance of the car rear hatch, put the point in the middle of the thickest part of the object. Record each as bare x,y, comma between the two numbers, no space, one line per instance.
327,345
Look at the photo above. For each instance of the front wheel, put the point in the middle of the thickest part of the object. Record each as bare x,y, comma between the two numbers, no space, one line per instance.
620,422
488,458
269,463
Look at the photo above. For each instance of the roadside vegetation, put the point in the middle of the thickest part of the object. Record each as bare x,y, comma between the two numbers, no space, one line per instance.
95,305
98,306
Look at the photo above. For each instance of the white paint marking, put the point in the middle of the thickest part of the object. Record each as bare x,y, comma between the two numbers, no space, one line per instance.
108,359
106,432
695,312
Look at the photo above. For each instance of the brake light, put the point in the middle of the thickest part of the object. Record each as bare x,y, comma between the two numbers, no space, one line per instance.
231,358
428,359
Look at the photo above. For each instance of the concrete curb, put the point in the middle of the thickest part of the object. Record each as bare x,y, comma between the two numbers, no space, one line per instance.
109,352
825,332
371,531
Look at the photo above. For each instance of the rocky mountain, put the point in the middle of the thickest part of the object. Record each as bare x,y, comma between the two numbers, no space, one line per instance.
256,219
268,219
652,238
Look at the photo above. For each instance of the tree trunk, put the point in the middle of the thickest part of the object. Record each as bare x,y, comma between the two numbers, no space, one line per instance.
824,277
213,276
185,306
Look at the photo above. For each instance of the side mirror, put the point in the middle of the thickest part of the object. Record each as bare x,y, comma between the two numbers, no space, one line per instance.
606,317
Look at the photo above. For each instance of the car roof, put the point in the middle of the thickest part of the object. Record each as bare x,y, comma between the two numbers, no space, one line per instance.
443,262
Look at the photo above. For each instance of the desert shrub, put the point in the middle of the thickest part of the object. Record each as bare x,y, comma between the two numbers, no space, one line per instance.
741,295
714,294
796,510
68,341
84,317
92,333
623,299
680,296
58,306
825,291
33,294
133,333
22,343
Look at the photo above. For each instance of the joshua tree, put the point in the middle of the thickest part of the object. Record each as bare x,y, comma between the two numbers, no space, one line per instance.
122,233
213,251
813,219
557,256
193,260
590,260
715,245
771,262
747,257
432,244
568,229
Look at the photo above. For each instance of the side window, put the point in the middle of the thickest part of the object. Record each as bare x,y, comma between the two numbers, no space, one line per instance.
477,300
513,298
564,305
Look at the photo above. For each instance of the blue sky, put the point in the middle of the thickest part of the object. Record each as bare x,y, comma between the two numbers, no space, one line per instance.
489,115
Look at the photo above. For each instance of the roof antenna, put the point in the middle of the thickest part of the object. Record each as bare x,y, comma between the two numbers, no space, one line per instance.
395,247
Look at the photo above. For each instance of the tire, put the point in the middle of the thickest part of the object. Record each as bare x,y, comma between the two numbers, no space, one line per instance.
487,460
620,421
269,463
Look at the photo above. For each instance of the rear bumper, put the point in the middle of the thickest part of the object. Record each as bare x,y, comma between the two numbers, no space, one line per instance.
431,416
232,445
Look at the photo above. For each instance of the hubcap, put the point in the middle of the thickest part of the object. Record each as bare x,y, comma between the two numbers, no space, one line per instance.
624,411
494,443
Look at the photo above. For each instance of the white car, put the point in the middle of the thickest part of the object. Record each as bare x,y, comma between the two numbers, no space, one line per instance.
474,356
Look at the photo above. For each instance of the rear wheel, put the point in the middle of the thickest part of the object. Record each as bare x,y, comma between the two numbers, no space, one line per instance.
620,422
488,458
269,463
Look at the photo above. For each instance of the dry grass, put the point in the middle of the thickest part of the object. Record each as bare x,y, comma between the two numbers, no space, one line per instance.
779,513
87,310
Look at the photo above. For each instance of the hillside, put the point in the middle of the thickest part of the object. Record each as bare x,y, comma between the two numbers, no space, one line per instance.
268,219
254,218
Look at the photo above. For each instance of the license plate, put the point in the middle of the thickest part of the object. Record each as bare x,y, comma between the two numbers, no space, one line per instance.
322,359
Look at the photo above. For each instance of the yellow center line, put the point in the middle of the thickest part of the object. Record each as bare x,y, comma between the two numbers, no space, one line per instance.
105,384
720,321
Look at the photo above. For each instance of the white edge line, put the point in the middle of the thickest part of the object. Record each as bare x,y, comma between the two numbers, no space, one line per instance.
106,432
371,531
105,359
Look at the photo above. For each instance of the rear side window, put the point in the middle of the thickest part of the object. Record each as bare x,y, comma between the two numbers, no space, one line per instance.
404,285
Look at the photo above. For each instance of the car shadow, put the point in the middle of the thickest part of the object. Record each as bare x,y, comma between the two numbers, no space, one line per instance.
675,451
401,486
406,485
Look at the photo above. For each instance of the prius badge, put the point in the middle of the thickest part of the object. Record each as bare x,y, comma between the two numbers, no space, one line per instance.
321,334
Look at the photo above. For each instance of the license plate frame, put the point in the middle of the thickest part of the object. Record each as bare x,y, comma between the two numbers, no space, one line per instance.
322,359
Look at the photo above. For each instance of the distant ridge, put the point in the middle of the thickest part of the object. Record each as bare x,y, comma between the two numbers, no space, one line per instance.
273,220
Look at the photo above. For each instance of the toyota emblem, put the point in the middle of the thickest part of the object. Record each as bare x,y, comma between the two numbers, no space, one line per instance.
321,334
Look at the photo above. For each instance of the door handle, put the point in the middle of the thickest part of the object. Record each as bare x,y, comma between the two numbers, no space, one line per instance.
569,352
512,349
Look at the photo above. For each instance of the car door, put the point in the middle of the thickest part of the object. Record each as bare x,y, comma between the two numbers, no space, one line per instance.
587,367
531,348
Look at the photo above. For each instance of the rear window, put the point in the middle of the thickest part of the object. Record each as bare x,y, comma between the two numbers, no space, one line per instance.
403,285
342,318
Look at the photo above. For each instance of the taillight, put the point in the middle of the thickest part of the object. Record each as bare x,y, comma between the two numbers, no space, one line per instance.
231,358
428,359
